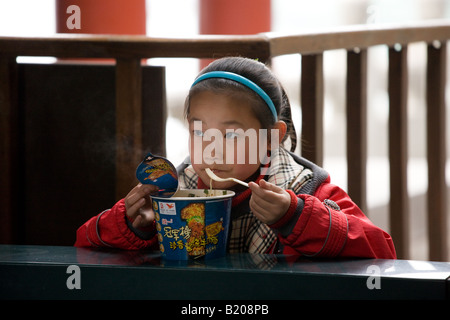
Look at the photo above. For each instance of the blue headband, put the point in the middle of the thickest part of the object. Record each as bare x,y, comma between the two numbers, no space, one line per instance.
242,80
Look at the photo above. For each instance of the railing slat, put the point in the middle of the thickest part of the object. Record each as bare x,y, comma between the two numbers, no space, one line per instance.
9,151
398,92
312,107
436,152
356,92
128,123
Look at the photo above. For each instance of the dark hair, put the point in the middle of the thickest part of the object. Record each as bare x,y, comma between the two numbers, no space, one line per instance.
258,73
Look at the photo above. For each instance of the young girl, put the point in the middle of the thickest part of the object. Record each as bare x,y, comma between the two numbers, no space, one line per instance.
290,206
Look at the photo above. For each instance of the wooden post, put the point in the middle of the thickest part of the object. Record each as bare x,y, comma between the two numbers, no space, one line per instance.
125,18
398,117
357,126
237,17
312,108
436,152
128,123
9,151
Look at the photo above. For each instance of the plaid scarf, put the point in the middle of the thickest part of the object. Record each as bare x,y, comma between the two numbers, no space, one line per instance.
247,233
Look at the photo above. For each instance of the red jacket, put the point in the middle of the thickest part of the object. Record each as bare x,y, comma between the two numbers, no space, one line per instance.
322,221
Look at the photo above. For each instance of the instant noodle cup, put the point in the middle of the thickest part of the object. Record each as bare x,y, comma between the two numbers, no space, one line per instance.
193,223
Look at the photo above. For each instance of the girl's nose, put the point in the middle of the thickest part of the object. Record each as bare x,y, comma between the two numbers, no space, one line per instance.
213,155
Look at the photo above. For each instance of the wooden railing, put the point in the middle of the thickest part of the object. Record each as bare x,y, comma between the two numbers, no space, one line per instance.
129,50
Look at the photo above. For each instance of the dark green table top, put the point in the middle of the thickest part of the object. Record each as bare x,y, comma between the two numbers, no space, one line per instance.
53,272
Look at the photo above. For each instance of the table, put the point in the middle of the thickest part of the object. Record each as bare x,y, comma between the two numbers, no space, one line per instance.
58,272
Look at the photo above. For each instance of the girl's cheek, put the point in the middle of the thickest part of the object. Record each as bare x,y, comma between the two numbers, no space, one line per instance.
242,152
196,150
230,152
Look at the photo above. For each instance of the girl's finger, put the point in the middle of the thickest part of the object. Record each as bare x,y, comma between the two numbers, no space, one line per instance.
145,214
133,195
133,210
257,209
264,188
259,199
265,197
139,192
270,186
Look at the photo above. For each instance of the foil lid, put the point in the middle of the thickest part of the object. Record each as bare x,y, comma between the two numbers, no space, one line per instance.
160,172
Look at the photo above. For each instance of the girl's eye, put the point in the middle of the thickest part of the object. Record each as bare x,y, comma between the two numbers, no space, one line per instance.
231,135
197,133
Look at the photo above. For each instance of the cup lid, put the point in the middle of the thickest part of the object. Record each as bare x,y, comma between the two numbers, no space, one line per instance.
160,172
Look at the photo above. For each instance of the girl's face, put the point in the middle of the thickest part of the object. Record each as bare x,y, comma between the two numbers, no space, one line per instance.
228,117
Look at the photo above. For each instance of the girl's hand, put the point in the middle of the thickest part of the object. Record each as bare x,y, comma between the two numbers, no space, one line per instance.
269,203
139,205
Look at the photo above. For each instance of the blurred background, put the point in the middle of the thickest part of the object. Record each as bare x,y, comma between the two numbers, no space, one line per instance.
182,18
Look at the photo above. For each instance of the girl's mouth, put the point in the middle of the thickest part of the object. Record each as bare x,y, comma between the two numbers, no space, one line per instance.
219,173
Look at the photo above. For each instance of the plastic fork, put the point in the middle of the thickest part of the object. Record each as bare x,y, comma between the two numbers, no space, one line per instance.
216,178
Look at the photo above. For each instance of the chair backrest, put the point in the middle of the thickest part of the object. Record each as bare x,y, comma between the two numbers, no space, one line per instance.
67,144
